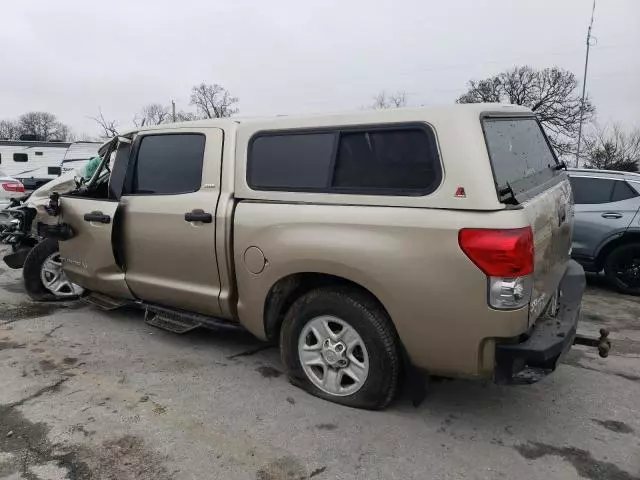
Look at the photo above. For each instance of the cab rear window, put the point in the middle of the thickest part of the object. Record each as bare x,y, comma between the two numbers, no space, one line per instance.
520,155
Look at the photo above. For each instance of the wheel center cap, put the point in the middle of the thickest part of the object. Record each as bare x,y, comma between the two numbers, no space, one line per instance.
334,353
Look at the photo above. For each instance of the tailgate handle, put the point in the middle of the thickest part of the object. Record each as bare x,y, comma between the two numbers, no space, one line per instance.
611,215
97,217
198,216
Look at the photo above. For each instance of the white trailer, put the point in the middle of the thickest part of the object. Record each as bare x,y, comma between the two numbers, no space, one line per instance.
33,163
78,155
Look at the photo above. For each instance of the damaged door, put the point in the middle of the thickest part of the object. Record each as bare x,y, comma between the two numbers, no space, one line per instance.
91,256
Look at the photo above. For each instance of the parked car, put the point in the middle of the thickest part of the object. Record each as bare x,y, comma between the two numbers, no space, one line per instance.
365,244
606,232
9,188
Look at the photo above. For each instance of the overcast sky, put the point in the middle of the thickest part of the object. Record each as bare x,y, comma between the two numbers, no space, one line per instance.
70,57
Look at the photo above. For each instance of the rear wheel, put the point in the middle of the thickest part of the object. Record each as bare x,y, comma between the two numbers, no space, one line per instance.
339,344
44,278
622,268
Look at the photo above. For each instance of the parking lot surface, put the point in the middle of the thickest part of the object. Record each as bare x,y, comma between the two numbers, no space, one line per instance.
87,394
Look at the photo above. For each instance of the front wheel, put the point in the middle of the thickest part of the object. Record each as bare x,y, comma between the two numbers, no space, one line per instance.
44,278
340,345
622,268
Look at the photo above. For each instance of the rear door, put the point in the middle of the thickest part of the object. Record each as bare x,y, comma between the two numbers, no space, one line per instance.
528,176
169,228
604,207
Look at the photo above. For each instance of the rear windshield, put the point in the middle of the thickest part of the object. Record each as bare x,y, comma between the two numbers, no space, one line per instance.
520,155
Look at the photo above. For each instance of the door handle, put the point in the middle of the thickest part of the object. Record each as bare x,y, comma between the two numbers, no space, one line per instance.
198,215
611,215
97,217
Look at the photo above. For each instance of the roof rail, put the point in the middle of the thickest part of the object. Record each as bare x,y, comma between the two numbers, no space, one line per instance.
598,170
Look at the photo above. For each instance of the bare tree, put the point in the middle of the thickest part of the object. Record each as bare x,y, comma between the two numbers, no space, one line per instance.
213,101
9,130
183,116
109,127
153,114
87,137
613,149
394,100
64,133
551,93
44,126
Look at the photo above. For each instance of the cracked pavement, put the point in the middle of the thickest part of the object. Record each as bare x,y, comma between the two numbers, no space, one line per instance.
86,394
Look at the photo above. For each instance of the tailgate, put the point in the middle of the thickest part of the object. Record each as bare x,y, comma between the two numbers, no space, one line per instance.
529,177
550,217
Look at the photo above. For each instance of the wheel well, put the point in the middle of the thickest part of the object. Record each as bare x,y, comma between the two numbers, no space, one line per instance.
288,289
629,237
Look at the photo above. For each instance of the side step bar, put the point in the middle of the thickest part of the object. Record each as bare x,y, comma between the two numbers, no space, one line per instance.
105,302
181,321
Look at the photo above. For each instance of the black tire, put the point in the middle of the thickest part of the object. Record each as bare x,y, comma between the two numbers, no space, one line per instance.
624,258
31,271
374,327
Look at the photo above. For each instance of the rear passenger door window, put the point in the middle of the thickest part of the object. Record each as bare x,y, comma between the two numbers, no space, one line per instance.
168,164
591,190
398,160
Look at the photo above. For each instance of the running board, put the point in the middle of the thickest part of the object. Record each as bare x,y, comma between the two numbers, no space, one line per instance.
105,302
181,321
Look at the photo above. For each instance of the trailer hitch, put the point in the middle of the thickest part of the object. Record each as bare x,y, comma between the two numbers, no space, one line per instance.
603,344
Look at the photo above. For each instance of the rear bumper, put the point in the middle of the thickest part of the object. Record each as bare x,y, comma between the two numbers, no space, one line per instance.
528,361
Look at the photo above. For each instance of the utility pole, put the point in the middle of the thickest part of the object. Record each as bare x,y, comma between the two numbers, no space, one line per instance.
173,109
584,84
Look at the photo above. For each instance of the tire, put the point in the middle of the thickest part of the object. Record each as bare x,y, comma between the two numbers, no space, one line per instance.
377,347
31,273
622,268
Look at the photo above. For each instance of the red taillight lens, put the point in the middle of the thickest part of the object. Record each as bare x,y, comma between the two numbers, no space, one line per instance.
13,187
499,253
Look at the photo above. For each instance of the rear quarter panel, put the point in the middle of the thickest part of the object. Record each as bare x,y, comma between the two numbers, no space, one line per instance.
408,258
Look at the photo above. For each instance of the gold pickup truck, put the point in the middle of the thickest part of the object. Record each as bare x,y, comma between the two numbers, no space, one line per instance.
364,244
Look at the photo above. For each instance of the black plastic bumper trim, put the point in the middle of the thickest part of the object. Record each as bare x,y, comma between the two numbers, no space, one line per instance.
550,337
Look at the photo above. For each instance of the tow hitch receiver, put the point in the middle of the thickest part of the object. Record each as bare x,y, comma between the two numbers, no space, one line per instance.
603,344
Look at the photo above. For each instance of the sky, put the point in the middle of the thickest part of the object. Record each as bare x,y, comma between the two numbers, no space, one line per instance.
73,57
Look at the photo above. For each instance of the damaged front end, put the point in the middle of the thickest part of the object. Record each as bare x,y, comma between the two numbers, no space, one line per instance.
33,217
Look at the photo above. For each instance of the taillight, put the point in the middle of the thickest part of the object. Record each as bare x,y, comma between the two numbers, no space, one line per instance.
499,253
506,256
16,187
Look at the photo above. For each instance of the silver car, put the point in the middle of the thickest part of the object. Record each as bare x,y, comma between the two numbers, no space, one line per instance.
606,233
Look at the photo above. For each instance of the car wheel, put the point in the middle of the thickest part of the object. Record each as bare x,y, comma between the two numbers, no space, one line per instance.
44,278
622,268
340,345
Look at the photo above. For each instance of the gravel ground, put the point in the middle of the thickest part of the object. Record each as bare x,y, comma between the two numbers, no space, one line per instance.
87,394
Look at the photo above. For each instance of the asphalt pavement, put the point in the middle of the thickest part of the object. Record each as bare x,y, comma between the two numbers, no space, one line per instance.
88,394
